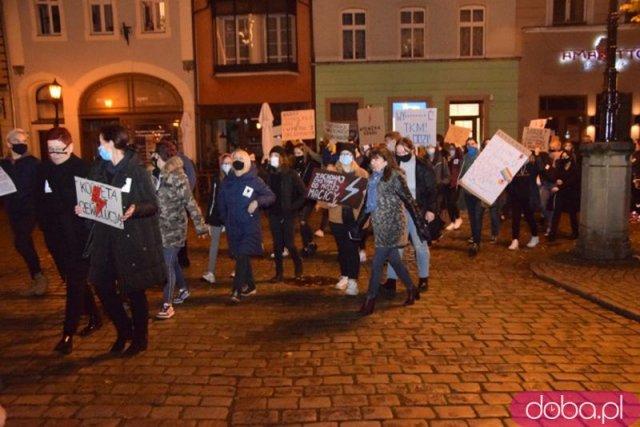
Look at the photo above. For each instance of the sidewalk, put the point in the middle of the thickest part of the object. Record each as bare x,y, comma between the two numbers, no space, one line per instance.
614,286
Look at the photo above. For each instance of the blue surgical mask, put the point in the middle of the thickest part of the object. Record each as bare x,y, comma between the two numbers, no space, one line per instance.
346,159
226,168
431,152
105,154
472,150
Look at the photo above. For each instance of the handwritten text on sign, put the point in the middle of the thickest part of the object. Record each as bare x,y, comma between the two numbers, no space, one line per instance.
337,131
299,124
533,138
336,188
418,125
371,125
100,202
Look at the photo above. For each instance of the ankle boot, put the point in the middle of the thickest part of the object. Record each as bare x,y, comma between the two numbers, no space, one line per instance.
389,287
65,346
121,341
423,284
137,346
95,323
368,306
411,296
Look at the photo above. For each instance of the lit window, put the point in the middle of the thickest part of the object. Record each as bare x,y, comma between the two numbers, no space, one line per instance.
472,32
412,32
567,12
154,16
48,17
101,16
354,31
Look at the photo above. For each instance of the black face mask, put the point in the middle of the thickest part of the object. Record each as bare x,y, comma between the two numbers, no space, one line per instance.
19,148
154,163
300,161
404,158
238,165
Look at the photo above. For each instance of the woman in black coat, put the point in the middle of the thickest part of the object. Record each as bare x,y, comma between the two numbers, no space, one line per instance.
566,196
132,256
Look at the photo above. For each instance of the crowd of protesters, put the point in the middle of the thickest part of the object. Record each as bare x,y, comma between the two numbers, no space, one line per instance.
410,196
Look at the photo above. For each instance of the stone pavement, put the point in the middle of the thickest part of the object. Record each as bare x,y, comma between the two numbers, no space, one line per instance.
300,355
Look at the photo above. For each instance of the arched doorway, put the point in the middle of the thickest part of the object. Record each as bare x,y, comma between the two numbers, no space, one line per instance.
148,106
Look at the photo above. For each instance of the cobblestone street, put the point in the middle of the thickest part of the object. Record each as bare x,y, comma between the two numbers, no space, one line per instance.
293,355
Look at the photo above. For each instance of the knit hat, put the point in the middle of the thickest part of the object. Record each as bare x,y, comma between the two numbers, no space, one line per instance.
278,149
346,146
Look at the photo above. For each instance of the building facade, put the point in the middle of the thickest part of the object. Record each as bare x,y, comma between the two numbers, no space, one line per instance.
129,62
562,67
455,55
249,53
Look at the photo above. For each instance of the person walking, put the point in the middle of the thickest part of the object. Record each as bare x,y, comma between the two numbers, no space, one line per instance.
474,205
175,200
519,190
66,234
386,191
124,262
305,165
455,159
22,168
566,196
241,194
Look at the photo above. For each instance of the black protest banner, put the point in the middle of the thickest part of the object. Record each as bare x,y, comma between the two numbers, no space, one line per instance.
337,188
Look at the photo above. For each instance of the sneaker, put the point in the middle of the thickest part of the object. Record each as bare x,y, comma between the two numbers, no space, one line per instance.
450,227
183,294
457,223
342,283
363,255
319,233
352,288
533,242
470,240
166,312
233,274
209,277
473,249
514,245
235,297
546,233
494,240
285,253
310,250
248,291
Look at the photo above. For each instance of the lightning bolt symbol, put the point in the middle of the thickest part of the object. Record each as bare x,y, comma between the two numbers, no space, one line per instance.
99,201
351,189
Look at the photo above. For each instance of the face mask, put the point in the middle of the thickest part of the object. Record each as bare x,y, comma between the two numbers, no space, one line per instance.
238,165
19,148
452,153
391,145
431,152
300,160
274,161
154,163
404,158
105,154
472,150
299,156
346,159
226,168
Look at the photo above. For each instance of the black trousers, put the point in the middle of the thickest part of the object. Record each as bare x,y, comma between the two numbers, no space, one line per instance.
562,203
282,231
138,324
305,228
521,203
348,251
22,228
451,199
244,273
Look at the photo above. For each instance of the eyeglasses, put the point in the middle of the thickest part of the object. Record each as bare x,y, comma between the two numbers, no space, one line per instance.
57,151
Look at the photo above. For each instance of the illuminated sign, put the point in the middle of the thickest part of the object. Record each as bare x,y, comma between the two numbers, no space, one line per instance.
590,58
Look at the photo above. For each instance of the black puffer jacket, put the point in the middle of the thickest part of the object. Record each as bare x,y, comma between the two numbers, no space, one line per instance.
136,249
24,174
290,196
426,188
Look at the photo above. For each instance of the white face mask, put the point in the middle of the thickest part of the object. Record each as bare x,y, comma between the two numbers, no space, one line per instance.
226,167
391,145
274,161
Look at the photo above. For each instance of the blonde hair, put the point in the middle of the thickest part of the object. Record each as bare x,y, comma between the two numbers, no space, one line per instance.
13,134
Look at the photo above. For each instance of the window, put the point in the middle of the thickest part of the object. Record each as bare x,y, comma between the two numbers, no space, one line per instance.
568,12
412,33
468,115
48,17
154,16
344,110
255,36
405,104
354,30
101,12
472,32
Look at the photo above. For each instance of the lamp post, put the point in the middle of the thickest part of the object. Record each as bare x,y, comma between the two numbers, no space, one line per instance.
55,91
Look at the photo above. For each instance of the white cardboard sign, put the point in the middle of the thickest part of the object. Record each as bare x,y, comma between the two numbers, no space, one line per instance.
371,125
6,184
337,131
418,125
533,138
100,202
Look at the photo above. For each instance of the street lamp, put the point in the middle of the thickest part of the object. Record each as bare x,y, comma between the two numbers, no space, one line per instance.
55,91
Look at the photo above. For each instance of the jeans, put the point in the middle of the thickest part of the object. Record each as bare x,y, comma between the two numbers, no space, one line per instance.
393,256
476,211
215,232
282,231
171,264
23,241
422,251
348,251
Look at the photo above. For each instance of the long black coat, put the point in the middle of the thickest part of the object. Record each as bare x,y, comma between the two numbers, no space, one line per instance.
136,250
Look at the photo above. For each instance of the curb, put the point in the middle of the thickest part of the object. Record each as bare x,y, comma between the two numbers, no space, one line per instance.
535,269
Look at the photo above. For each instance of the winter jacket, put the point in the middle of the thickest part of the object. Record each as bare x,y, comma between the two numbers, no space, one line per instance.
136,250
524,180
426,189
175,199
244,231
345,214
388,218
24,174
440,169
455,164
212,215
568,195
305,167
290,196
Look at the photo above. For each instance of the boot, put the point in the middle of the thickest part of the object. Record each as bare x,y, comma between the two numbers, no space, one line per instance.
423,284
412,295
65,346
137,346
368,306
389,288
95,323
40,284
121,341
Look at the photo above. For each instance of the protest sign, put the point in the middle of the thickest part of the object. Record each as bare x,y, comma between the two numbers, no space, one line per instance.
100,202
371,125
533,138
495,167
6,184
457,135
538,123
299,124
336,188
337,131
418,125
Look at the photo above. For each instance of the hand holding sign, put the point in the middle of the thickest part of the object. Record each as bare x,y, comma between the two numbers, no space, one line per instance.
130,210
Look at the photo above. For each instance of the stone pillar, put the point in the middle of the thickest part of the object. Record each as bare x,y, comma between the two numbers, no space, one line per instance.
604,207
